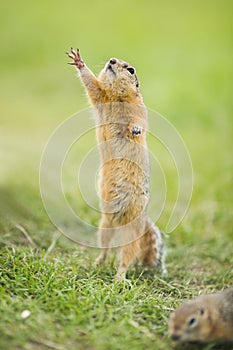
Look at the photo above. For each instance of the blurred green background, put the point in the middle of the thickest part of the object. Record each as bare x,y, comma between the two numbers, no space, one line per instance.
183,55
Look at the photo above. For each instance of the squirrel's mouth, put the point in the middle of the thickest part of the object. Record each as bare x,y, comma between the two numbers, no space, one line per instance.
109,67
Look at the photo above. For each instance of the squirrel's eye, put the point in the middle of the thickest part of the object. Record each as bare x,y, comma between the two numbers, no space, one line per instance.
192,321
131,70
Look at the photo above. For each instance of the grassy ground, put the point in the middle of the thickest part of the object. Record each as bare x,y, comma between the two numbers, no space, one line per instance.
183,54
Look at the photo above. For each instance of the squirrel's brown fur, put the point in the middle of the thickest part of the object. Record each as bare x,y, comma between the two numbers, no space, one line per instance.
124,174
204,319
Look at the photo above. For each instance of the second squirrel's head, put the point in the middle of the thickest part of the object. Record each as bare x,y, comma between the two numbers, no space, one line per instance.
119,78
190,322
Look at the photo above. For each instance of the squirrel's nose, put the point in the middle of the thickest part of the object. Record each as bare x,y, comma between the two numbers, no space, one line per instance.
175,337
112,61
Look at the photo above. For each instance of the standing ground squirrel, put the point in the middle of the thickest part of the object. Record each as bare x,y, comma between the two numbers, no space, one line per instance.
204,319
121,123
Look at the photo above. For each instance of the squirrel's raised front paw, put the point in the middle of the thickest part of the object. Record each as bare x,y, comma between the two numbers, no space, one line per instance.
75,56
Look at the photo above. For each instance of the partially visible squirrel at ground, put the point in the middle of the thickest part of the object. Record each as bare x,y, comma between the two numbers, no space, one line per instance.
121,123
204,319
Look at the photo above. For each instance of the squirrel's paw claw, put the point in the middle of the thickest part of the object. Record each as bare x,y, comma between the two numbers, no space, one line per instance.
75,56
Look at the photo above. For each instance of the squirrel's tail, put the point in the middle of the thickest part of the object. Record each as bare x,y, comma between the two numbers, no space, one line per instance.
152,247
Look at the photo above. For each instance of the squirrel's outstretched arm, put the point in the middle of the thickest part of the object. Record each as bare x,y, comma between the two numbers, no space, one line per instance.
87,77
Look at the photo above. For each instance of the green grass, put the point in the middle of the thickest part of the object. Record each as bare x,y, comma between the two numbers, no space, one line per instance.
183,55
73,303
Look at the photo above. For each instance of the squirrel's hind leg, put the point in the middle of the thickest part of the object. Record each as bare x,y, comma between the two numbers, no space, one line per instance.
105,236
129,236
128,254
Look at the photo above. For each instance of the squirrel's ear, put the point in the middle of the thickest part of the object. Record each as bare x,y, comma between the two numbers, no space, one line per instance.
137,82
202,311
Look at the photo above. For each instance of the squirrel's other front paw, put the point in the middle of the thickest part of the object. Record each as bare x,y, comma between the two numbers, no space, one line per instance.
136,130
75,56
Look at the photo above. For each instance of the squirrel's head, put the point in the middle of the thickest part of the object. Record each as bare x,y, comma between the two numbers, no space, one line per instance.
119,78
190,322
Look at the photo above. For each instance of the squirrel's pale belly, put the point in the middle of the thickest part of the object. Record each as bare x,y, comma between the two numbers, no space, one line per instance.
124,172
123,190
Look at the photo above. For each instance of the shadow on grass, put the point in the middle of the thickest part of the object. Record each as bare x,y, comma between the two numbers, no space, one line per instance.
12,210
22,217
